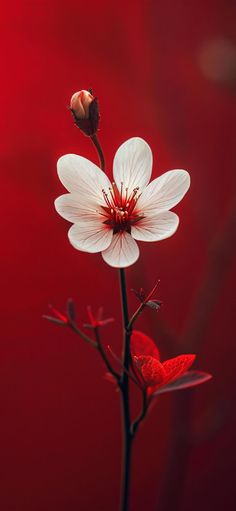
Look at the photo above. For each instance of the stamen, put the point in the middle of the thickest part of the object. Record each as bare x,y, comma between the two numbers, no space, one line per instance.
106,198
116,194
112,195
102,214
121,190
119,207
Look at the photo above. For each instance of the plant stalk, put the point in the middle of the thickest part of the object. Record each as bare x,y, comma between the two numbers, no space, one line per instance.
124,388
97,145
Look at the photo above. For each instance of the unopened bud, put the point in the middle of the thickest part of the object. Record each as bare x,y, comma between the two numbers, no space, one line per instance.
84,108
80,102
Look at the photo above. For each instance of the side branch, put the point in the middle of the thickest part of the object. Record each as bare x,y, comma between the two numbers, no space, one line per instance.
141,416
100,349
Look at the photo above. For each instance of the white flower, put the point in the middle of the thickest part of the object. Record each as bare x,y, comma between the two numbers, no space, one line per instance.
109,217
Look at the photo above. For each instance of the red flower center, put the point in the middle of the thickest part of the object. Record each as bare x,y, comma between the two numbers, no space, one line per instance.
120,208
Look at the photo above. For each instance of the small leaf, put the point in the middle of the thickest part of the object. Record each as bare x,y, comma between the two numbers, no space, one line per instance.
54,320
151,370
154,304
187,380
177,366
142,344
58,314
105,322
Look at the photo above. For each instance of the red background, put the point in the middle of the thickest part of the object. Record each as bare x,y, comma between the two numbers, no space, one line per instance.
60,419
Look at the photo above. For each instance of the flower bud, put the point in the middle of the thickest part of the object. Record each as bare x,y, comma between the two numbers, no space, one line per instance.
84,108
80,102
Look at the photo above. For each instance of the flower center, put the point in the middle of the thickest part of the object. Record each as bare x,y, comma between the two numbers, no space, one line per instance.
120,208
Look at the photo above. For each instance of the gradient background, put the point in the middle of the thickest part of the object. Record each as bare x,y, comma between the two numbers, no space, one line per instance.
166,71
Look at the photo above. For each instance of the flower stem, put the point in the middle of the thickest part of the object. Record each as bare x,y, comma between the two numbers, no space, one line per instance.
126,466
96,142
124,387
124,379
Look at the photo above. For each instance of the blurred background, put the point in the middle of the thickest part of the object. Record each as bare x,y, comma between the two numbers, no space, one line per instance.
163,70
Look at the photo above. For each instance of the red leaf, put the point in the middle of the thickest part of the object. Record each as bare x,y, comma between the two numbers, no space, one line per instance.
187,380
175,367
150,369
141,344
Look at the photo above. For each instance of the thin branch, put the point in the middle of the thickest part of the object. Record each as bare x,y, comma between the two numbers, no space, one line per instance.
124,369
103,355
141,416
83,336
142,306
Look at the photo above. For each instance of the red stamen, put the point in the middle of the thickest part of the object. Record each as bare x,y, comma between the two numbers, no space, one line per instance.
120,208
117,195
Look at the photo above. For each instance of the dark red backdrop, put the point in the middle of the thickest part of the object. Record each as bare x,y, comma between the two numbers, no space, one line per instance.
163,70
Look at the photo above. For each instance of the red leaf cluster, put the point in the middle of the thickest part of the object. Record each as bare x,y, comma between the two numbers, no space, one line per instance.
152,374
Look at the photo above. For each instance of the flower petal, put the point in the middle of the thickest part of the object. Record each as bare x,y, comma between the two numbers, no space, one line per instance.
74,207
122,252
187,380
90,236
175,367
142,344
81,176
164,192
132,164
155,228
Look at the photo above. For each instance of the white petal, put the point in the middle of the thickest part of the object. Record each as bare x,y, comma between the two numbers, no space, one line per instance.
90,236
74,207
156,228
81,176
122,252
164,192
132,164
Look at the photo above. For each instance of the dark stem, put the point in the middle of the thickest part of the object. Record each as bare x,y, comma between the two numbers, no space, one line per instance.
83,336
126,461
141,416
103,355
124,387
96,142
136,315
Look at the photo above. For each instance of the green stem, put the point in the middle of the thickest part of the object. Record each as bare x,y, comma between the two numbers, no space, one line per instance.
124,387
